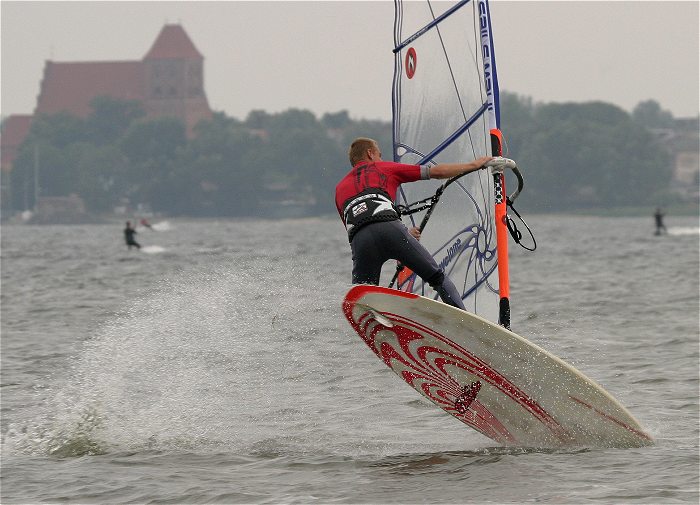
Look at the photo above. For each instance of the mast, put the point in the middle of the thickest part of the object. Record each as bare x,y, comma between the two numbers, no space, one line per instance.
37,188
499,182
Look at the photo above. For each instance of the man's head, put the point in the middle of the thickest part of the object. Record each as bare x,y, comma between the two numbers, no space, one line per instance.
364,149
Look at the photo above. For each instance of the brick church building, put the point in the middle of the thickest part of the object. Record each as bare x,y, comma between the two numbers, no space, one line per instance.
168,81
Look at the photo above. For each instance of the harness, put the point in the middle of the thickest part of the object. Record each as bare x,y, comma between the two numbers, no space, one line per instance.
372,205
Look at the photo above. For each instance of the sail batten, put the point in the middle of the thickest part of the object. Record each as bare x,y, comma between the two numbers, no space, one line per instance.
448,141
428,158
436,21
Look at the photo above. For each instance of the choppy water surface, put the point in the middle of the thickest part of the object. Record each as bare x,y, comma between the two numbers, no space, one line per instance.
215,366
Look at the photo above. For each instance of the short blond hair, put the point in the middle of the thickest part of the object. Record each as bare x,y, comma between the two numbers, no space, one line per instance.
359,147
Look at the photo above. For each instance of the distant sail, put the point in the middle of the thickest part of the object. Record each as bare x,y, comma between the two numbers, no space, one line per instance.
445,102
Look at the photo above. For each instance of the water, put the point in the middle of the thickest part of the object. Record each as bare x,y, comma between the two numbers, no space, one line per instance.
215,366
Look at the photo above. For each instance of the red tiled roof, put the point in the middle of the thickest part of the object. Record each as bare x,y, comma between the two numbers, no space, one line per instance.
14,130
173,42
71,86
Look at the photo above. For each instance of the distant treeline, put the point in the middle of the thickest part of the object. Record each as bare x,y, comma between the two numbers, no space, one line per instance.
573,155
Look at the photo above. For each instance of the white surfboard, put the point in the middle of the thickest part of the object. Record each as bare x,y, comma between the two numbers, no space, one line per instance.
488,377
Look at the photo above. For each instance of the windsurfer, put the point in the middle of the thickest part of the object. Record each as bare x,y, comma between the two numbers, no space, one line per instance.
659,220
364,199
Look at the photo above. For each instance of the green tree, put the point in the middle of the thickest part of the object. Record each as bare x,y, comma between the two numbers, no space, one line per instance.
152,146
650,114
336,120
517,116
258,119
110,118
589,155
100,176
216,174
42,169
59,157
58,130
573,156
154,139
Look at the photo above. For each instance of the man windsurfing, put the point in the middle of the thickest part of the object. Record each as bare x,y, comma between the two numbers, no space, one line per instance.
364,199
659,220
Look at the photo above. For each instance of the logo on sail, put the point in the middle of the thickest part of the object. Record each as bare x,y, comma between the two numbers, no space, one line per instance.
452,251
411,62
484,28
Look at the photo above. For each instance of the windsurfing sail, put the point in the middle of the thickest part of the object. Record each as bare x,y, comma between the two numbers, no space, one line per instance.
446,110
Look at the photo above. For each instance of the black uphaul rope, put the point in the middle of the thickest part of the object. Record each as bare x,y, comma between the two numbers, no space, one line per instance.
513,229
510,224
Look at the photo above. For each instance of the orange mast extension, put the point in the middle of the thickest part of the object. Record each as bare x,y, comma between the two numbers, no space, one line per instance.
499,183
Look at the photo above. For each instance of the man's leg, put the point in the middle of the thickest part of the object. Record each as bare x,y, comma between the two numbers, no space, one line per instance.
410,252
367,258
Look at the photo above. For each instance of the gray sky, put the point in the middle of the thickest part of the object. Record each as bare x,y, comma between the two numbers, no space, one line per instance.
327,56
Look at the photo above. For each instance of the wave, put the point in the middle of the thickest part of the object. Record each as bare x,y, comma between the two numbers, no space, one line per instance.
153,249
684,230
209,361
162,226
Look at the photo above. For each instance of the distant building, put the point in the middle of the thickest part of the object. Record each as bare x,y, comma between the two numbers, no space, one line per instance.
169,81
14,130
60,210
683,142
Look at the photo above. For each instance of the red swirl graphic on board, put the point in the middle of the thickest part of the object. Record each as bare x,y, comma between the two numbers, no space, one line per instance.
468,395
411,62
426,368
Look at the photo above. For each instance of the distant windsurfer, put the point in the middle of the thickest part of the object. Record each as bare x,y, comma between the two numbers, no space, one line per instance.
659,219
144,222
129,236
364,199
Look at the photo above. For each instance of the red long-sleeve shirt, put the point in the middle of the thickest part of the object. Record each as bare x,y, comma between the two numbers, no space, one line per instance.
384,175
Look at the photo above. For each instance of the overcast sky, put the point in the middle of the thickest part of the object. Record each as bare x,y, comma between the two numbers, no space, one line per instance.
328,56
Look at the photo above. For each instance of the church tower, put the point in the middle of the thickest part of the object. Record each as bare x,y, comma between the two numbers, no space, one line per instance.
174,78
